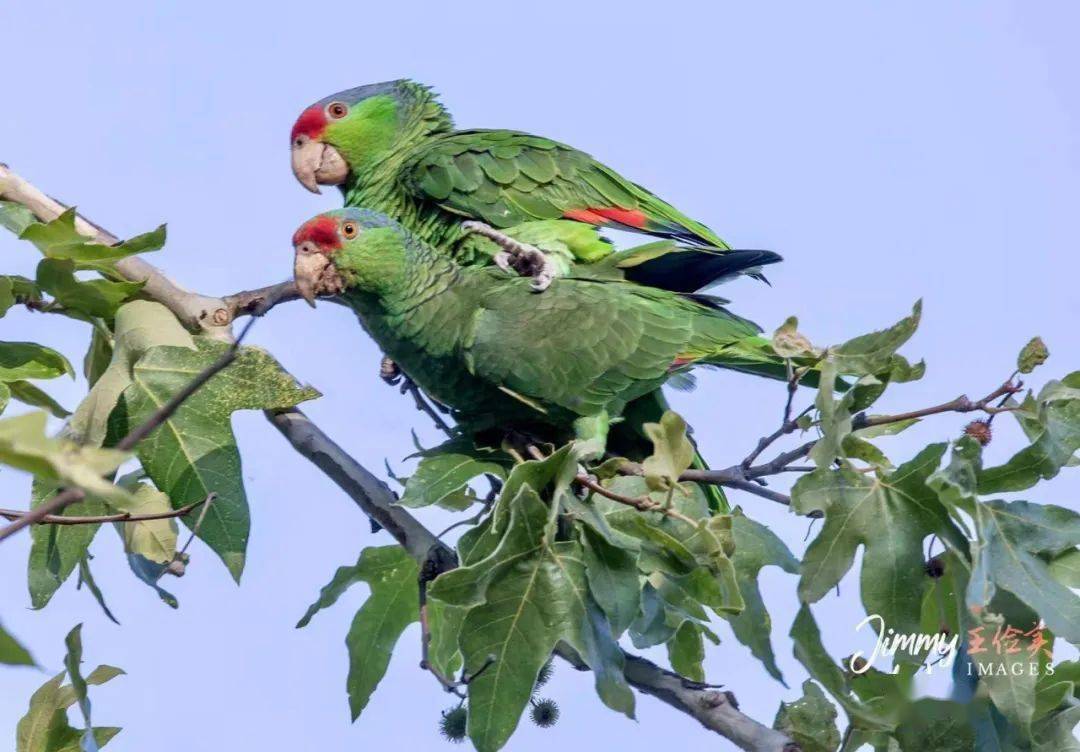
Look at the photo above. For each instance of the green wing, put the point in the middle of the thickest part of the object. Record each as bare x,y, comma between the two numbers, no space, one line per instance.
506,178
586,345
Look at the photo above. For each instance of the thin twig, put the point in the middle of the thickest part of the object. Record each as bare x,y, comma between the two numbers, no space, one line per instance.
72,495
642,503
51,519
961,404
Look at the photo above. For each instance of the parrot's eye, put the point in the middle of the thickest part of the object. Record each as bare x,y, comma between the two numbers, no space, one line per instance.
337,110
349,230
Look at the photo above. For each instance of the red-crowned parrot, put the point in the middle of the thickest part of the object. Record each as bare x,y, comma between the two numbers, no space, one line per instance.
483,195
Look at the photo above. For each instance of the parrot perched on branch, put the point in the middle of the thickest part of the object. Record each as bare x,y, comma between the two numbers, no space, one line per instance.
563,364
524,202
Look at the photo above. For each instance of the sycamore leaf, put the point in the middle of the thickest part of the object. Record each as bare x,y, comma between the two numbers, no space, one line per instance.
672,454
600,650
956,483
56,550
139,326
194,452
443,475
757,547
15,217
86,577
59,239
29,394
834,418
24,445
99,353
1056,733
154,540
5,396
45,727
72,661
529,604
810,721
612,572
890,517
686,651
1013,538
938,725
96,297
29,360
812,655
1033,355
874,353
7,295
1065,568
392,606
11,652
1055,434
445,622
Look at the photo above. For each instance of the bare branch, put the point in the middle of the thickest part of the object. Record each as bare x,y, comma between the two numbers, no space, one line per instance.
961,404
50,519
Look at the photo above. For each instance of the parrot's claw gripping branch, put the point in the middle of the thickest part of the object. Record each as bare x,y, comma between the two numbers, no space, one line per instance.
516,257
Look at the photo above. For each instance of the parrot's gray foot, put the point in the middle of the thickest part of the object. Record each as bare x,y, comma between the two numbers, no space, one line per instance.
389,371
517,257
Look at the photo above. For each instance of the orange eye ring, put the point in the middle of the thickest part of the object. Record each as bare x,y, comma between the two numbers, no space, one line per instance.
337,110
350,230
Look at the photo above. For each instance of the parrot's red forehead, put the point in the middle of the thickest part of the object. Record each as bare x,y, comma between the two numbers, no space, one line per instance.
322,231
311,123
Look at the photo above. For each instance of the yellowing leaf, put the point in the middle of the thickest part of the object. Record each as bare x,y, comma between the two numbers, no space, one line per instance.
673,453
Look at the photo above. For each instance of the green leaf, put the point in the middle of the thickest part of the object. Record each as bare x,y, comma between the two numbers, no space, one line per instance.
673,452
1013,537
789,342
810,721
686,651
56,550
757,547
392,606
139,326
1055,733
532,596
45,727
938,725
29,394
72,661
443,475
11,652
956,484
86,577
834,418
444,622
890,517
24,445
5,396
59,239
7,295
602,653
29,360
874,353
99,354
194,452
15,217
812,655
1065,568
613,578
96,297
1033,355
1055,433
154,540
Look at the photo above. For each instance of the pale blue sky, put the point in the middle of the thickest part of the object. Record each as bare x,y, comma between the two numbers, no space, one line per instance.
888,151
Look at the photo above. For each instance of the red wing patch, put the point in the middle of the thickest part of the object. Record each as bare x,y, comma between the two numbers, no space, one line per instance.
606,216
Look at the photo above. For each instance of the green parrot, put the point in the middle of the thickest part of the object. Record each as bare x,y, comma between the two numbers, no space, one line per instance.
561,365
524,202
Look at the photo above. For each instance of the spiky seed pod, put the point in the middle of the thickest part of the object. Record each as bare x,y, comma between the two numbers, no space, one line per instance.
980,431
545,713
935,568
545,675
453,723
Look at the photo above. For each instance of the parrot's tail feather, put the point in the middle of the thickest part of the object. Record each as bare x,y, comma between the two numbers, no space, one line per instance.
688,270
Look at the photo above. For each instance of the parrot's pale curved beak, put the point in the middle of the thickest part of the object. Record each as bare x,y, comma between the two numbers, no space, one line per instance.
309,269
315,163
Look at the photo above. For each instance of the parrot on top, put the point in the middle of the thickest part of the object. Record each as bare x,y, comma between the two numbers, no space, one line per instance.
565,363
523,202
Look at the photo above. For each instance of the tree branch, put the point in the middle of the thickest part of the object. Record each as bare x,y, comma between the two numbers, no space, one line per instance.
51,519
